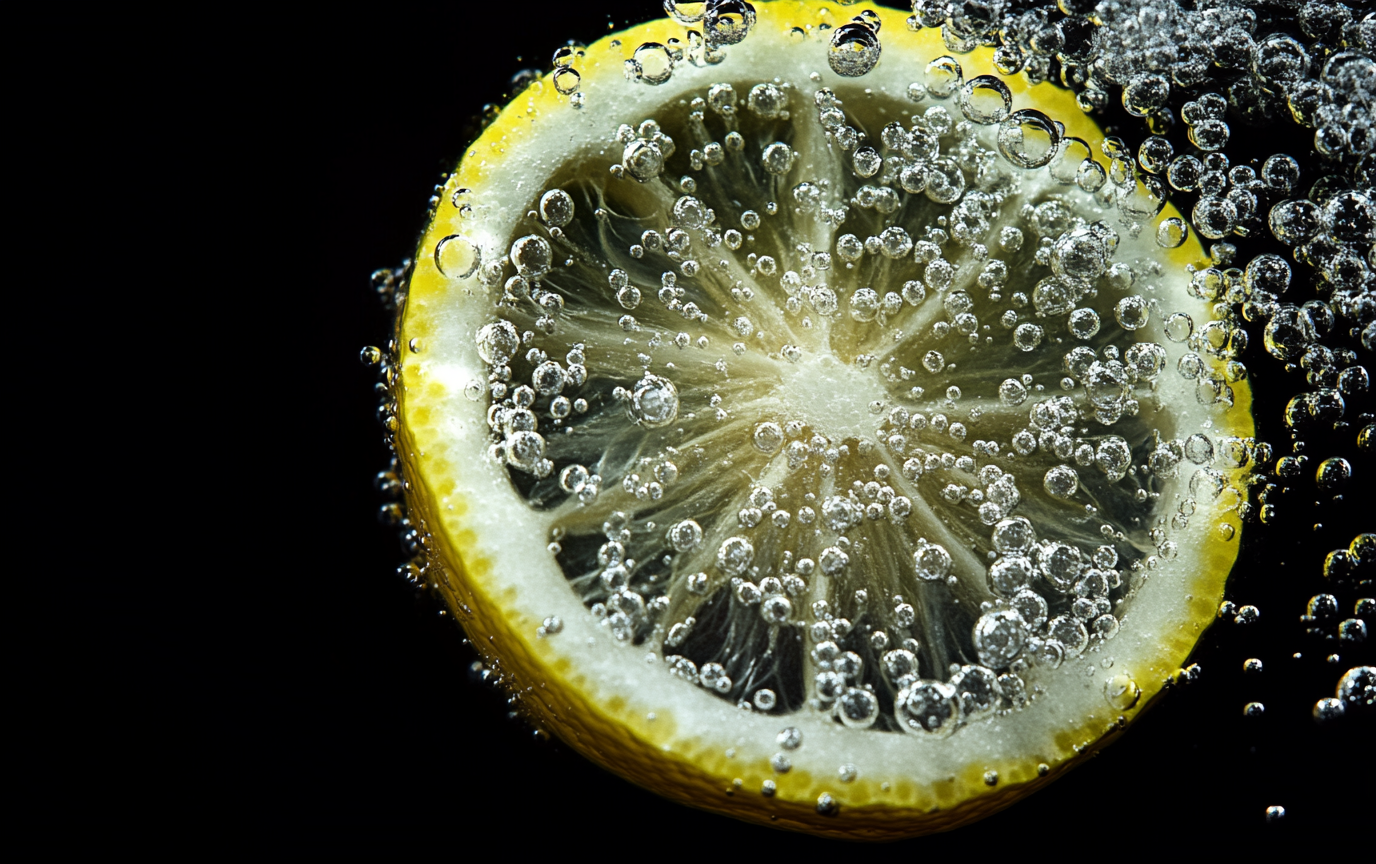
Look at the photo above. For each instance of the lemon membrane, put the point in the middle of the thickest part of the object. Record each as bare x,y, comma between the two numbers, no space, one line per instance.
814,430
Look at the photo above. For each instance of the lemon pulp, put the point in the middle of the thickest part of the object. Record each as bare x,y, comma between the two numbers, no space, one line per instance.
733,460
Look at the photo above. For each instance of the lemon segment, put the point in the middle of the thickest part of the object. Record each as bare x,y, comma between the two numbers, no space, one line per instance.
498,541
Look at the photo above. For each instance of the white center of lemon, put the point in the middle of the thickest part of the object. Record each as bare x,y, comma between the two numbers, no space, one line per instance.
832,397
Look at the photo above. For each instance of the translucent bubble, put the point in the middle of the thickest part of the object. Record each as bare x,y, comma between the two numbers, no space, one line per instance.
1352,631
1061,482
1155,154
1268,273
1027,337
457,257
497,342
854,50
1293,222
1357,688
532,256
1132,312
1145,93
653,63
690,213
768,437
524,450
1012,392
567,80
556,208
985,100
1090,176
777,158
933,562
1083,323
685,535
867,161
857,708
727,22
1288,333
864,304
1184,172
1053,297
1209,135
1028,138
767,101
1010,574
654,401
1351,217
1172,232
1079,255
928,707
1328,709
945,181
1121,691
943,77
643,160
1147,359
735,555
548,378
1070,633
1214,218
1281,172
721,98
1333,474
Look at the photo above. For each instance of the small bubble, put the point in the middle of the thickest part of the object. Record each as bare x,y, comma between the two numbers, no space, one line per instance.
854,50
1028,138
1172,233
457,257
567,80
943,77
985,100
1329,709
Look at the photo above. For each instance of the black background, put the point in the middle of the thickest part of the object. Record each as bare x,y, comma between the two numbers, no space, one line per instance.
378,742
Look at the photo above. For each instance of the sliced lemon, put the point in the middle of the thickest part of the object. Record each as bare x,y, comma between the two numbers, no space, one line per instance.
841,452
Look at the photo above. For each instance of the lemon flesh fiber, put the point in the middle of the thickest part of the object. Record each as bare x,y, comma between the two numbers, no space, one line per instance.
487,547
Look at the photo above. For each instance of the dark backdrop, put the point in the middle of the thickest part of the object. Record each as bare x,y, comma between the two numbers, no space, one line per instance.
377,741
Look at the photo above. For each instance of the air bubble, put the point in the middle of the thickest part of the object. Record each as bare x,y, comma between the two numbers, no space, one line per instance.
1028,138
457,257
556,208
854,50
985,100
943,77
1172,233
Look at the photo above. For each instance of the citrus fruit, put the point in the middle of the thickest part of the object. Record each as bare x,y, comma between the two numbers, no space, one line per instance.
813,426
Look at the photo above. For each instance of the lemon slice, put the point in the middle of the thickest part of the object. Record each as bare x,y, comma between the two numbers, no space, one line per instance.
813,429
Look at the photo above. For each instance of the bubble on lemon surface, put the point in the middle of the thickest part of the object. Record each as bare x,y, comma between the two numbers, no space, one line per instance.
457,256
854,50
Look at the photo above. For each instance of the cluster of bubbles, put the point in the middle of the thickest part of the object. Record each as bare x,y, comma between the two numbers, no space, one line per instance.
715,25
